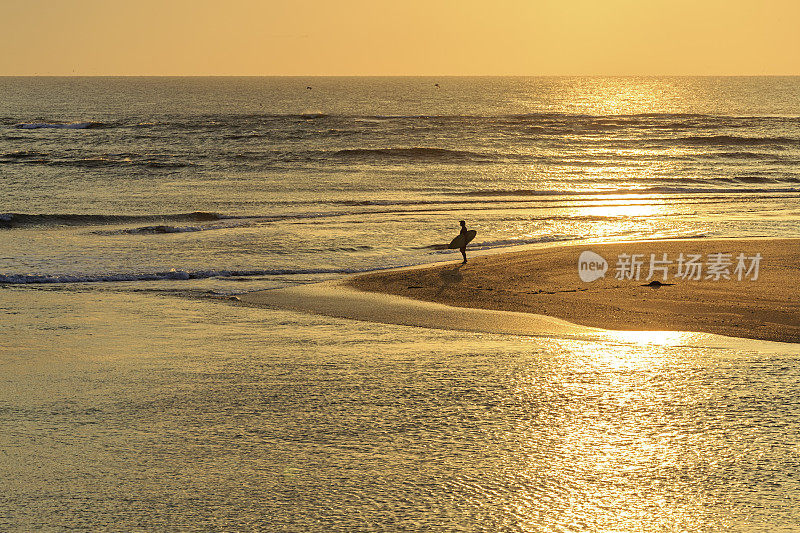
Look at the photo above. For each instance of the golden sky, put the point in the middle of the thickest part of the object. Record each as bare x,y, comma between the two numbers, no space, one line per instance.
405,37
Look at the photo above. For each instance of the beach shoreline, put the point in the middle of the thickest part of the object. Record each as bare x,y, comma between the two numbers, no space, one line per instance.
539,291
546,281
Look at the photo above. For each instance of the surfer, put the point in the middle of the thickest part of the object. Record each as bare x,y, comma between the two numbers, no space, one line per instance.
462,240
463,248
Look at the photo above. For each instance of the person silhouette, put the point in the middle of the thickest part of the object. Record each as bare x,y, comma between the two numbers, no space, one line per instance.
463,232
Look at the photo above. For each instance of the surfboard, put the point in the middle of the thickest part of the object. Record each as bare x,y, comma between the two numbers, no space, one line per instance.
462,240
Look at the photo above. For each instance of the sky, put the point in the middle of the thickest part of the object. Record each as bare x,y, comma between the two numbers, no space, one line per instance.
406,37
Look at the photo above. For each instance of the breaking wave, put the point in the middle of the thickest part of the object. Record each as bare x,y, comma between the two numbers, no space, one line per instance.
27,279
502,243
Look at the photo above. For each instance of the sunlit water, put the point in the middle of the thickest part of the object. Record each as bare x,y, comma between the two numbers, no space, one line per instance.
244,183
129,400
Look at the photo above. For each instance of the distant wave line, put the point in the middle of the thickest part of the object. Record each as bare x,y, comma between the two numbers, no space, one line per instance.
216,121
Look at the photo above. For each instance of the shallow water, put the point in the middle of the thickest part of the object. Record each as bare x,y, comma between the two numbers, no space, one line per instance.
272,420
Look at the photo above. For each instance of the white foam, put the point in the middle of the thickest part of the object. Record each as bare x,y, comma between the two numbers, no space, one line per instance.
174,274
502,243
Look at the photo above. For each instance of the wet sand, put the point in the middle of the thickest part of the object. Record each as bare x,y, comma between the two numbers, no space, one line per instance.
546,282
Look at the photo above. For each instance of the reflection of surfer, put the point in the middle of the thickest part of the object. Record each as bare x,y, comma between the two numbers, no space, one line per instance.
463,233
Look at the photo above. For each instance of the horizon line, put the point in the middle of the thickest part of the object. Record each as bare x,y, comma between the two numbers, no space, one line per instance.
399,75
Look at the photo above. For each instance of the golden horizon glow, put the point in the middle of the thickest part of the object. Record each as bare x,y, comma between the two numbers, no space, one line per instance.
413,37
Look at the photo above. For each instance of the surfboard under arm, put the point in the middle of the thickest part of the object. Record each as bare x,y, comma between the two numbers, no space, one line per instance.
463,239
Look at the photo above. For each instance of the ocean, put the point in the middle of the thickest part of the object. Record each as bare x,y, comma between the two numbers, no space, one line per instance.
135,396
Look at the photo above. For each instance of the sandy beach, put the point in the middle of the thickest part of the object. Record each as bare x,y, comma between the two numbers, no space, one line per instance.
546,282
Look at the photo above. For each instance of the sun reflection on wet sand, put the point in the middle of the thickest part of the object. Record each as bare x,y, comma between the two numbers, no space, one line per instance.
660,338
612,444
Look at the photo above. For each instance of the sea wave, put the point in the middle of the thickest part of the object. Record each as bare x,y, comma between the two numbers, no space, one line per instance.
34,157
416,153
8,220
733,140
644,190
161,228
174,274
59,125
23,154
770,157
92,162
503,243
